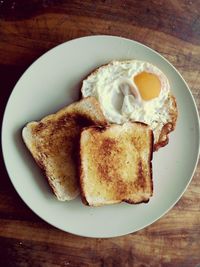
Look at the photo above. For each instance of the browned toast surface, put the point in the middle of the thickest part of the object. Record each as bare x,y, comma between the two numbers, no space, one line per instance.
116,164
53,143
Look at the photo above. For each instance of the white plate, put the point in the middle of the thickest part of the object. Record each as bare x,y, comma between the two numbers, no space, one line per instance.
54,81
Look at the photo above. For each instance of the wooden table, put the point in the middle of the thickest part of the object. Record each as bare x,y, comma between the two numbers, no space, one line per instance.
30,28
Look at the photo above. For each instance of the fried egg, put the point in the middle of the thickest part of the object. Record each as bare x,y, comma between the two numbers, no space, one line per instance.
131,91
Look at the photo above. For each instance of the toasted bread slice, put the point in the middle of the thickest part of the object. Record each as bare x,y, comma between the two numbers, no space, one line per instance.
53,143
115,164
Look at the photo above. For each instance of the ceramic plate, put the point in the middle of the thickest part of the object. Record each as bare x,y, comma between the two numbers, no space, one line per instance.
52,82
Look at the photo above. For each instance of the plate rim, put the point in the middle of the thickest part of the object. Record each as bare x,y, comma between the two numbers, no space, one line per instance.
46,54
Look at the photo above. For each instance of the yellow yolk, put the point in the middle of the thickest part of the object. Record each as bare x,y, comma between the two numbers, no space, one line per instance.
148,85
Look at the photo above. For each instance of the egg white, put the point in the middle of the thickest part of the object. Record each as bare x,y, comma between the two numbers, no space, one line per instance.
113,86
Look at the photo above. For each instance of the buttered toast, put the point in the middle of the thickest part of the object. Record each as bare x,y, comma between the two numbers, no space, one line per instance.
115,164
53,144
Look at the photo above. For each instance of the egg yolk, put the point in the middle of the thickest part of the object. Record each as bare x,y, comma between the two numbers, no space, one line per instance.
148,85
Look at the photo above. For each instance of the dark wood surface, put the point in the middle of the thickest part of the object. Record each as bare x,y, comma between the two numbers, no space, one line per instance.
30,28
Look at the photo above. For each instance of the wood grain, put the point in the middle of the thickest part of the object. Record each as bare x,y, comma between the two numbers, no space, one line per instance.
30,28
